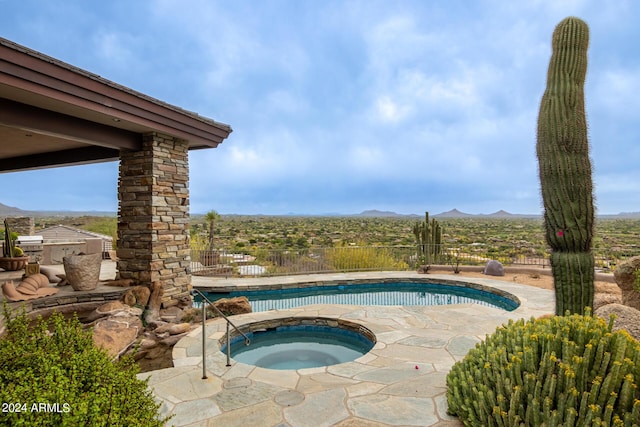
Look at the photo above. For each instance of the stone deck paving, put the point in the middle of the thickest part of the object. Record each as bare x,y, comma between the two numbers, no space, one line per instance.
400,382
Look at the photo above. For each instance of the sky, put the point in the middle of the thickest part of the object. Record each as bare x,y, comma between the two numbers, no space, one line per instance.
345,106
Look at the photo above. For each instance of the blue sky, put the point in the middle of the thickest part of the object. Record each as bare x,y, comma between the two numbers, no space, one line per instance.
343,106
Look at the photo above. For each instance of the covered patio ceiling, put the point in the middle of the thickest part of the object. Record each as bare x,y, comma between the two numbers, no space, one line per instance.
55,114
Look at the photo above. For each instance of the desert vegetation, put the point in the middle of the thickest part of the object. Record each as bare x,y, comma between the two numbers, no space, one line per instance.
614,238
562,370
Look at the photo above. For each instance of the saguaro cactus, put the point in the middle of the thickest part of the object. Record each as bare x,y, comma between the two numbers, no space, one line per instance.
428,239
565,168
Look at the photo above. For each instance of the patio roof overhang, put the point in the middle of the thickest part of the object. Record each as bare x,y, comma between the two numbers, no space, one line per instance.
55,114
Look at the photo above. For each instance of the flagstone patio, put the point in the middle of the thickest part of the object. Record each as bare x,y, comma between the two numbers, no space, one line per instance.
400,382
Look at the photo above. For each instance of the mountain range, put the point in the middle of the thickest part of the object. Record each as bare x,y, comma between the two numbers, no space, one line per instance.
13,211
455,213
373,213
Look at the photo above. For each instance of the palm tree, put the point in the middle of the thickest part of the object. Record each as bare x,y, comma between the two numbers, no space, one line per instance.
209,257
210,218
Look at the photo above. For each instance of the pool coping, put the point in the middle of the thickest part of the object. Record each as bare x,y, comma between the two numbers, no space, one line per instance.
401,381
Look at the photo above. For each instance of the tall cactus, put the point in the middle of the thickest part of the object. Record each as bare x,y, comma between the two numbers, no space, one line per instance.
9,246
565,169
428,239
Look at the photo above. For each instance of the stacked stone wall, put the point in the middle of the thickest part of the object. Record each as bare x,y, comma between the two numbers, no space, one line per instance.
153,216
23,225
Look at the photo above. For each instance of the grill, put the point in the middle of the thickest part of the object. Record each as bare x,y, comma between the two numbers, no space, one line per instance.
32,246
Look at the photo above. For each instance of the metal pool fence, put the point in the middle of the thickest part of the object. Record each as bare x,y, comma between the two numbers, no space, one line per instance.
275,262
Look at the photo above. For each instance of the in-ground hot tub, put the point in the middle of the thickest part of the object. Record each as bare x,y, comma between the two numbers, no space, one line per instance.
298,343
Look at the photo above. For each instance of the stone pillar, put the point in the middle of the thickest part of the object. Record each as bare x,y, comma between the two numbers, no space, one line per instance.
23,225
153,216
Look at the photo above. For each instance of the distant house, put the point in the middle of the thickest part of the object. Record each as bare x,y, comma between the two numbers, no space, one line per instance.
64,233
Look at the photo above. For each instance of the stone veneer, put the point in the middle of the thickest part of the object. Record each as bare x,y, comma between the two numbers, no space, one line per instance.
23,225
153,216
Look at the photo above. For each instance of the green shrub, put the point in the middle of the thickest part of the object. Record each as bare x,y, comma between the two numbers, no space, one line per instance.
564,370
363,258
51,374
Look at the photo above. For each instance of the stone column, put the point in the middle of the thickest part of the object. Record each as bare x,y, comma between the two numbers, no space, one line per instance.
23,225
153,216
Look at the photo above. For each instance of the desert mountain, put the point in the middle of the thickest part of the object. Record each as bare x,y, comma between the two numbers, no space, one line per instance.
11,211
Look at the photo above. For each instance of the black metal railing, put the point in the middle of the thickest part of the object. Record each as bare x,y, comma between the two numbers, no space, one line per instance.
275,262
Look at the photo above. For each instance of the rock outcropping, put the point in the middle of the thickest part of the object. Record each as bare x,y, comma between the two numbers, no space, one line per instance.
627,318
626,276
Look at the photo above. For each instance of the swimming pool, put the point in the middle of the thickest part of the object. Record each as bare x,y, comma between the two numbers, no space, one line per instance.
405,293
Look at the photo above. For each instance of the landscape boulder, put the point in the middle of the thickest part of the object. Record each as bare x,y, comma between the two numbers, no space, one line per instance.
626,276
107,309
493,268
171,314
155,301
137,296
116,333
233,306
601,299
627,318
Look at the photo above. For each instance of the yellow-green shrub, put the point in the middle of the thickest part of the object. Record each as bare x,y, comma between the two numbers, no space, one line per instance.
564,370
363,258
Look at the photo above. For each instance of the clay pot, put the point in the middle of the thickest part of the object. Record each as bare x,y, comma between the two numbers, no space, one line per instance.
14,263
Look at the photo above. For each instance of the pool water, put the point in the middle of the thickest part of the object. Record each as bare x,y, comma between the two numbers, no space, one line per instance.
395,293
298,347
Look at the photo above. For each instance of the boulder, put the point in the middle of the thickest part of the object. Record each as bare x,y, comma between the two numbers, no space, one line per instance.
233,306
113,309
423,269
627,318
172,314
179,328
158,357
161,329
602,299
138,295
155,301
116,334
172,340
493,268
147,343
626,276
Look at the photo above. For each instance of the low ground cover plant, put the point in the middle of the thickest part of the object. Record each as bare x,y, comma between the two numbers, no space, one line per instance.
51,374
563,370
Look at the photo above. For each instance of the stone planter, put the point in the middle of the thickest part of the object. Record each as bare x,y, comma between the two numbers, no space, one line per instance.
14,263
82,271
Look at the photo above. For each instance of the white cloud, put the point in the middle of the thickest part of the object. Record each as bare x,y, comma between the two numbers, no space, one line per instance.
389,111
370,98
